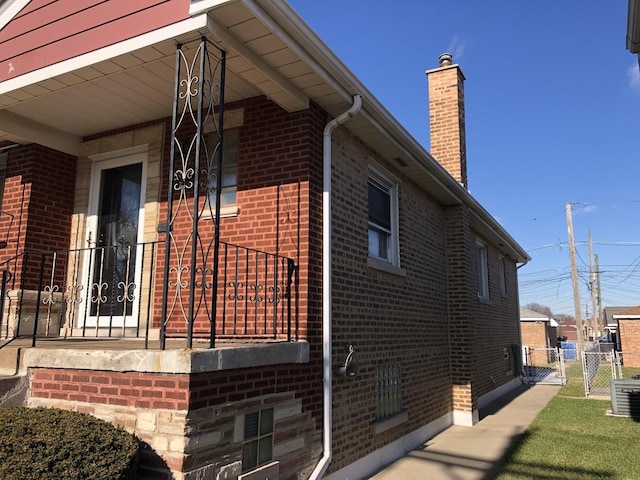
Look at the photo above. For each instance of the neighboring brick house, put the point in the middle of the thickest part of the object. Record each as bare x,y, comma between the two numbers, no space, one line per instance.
611,324
300,289
628,335
539,333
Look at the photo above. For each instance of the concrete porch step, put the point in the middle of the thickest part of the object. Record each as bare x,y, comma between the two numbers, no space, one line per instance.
11,356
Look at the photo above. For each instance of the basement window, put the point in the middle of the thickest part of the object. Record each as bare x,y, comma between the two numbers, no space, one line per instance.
388,390
257,448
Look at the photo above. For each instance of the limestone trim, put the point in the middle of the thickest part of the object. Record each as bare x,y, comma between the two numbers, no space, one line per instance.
169,361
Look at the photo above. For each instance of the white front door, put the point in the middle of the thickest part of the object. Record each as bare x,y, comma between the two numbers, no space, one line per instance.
115,226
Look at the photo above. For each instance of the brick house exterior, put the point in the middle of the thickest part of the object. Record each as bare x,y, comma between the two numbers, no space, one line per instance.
364,300
539,333
628,335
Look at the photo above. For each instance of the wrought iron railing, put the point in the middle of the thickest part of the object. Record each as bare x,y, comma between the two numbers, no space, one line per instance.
115,291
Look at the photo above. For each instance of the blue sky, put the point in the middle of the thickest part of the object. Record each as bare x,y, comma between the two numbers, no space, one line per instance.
552,101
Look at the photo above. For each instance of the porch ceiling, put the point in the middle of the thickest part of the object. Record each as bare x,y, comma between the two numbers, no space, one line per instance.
83,96
135,82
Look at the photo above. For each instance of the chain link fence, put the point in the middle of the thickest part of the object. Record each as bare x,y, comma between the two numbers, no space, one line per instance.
599,368
588,371
543,365
583,372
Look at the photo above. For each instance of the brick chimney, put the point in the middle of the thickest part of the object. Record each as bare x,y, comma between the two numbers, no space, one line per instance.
446,117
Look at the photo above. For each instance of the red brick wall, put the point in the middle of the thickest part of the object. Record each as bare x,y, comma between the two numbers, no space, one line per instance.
449,344
389,319
140,390
206,402
629,334
168,391
461,279
280,202
39,192
534,334
279,199
497,326
481,331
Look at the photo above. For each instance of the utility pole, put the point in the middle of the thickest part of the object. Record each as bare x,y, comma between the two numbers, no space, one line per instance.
600,312
592,287
574,279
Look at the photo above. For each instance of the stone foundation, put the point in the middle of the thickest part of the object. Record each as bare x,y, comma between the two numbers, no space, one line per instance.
21,306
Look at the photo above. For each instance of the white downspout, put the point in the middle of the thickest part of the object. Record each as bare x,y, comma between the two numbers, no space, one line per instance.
327,368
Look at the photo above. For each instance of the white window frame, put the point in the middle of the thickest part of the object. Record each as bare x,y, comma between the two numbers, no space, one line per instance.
502,265
482,257
386,180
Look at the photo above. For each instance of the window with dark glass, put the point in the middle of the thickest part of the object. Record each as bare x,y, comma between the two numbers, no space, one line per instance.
503,277
380,227
483,272
257,448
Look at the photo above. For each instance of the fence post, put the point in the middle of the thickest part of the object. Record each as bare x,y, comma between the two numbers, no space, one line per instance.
585,372
38,298
290,269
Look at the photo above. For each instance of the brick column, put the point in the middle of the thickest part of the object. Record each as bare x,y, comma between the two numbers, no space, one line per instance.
461,292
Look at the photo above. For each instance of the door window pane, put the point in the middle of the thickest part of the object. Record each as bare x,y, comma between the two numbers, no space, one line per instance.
114,256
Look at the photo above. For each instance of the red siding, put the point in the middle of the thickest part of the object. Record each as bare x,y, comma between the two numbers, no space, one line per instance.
45,33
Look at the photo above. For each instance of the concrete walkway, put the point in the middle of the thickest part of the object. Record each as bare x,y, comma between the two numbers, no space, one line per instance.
473,453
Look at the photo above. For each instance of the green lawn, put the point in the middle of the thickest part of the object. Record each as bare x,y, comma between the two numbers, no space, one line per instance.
573,439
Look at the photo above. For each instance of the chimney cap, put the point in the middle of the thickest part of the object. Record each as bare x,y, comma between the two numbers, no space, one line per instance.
445,59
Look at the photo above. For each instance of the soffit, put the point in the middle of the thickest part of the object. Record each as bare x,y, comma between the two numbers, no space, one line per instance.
138,86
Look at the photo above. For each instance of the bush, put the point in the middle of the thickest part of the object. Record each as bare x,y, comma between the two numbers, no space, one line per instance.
48,444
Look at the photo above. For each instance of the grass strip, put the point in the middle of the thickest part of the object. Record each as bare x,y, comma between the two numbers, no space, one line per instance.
572,439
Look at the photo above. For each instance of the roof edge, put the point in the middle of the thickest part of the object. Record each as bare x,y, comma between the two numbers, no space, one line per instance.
295,29
10,9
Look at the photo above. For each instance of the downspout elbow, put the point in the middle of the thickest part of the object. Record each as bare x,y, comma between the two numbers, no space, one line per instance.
343,117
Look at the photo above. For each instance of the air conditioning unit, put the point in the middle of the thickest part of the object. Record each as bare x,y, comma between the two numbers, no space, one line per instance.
625,398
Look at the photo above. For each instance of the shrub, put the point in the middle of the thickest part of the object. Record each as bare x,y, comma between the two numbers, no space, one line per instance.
48,444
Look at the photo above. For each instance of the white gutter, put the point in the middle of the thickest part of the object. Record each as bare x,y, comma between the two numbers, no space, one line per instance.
327,368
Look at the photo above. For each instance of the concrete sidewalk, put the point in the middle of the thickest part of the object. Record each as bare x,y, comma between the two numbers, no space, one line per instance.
472,453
